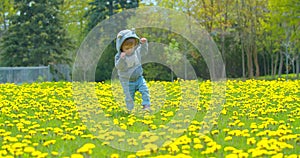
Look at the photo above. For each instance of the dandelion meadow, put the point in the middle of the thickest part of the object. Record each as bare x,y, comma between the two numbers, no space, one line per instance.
258,119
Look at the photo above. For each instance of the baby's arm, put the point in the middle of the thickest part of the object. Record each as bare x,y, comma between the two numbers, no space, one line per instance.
144,46
120,61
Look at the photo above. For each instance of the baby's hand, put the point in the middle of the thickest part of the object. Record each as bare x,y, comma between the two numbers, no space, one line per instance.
123,55
143,40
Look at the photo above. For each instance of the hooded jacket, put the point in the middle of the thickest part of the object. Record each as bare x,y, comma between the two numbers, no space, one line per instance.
130,66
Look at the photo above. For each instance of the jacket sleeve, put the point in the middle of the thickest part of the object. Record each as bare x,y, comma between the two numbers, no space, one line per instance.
120,63
143,49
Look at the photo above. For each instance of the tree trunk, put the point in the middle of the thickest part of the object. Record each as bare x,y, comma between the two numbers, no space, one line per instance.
243,60
265,64
223,29
185,44
255,56
272,67
293,65
249,62
280,65
172,75
286,64
240,33
297,59
254,38
223,47
276,63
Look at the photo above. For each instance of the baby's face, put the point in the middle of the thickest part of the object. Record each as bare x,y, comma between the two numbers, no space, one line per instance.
128,46
128,49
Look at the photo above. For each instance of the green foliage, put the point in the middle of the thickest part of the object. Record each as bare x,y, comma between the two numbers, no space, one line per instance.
106,64
36,35
171,53
72,13
100,10
31,36
156,71
6,10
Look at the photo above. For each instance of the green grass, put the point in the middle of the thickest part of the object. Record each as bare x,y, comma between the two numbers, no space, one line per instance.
51,105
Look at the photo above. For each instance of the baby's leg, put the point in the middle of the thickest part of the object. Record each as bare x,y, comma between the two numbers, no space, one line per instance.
143,89
129,91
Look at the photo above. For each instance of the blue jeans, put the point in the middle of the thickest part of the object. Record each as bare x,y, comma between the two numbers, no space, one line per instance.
130,87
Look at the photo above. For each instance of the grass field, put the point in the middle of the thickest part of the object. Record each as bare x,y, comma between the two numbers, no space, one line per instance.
57,119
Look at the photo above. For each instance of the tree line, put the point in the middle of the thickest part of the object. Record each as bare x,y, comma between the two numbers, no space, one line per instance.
254,37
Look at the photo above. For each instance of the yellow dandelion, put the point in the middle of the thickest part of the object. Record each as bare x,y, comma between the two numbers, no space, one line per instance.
114,156
152,147
229,148
241,124
214,132
279,155
36,153
35,144
228,138
104,143
32,132
121,140
187,152
49,142
243,155
29,149
193,128
226,130
196,140
90,145
54,153
179,156
293,156
123,126
116,121
83,150
232,156
43,155
18,153
142,153
251,141
18,145
164,119
10,139
153,127
131,156
77,156
173,148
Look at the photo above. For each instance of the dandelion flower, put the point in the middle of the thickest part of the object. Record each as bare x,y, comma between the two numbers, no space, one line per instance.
228,138
54,153
29,149
114,156
76,156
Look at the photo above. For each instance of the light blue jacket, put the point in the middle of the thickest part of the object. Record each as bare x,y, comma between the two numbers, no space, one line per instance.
130,66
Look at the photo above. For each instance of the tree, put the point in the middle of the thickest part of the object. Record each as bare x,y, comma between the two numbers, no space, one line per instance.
189,52
36,35
6,10
172,55
73,17
282,27
103,9
100,10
